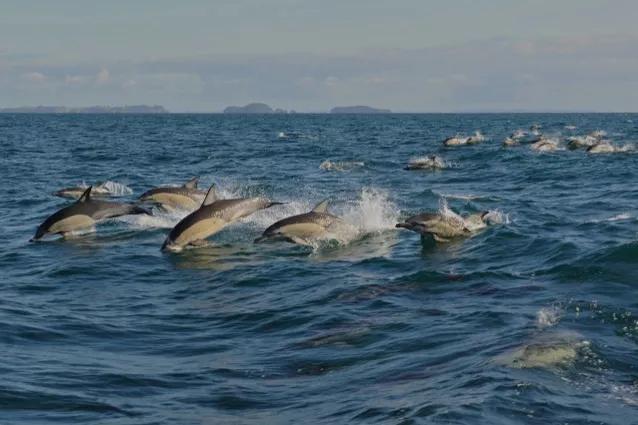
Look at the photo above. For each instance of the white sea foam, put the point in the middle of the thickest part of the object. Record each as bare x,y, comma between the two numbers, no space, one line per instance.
547,317
372,212
116,189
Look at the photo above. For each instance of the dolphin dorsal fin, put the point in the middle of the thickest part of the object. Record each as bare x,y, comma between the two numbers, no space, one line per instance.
192,183
86,196
211,196
321,207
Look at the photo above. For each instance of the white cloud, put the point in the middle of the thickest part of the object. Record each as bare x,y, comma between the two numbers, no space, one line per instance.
34,77
103,76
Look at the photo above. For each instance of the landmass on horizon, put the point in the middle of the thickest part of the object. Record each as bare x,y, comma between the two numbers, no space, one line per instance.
251,108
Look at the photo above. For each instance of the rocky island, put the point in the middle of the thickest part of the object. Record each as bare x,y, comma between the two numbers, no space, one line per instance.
358,109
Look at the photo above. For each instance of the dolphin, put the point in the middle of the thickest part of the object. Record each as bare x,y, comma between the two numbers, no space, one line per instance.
444,227
76,191
456,141
186,197
430,162
212,216
305,228
84,213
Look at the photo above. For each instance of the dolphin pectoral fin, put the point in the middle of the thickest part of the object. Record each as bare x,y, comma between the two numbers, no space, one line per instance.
440,239
198,243
297,240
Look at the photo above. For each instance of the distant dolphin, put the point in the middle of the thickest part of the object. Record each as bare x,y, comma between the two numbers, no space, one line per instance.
76,191
186,197
305,228
83,214
443,227
430,162
213,215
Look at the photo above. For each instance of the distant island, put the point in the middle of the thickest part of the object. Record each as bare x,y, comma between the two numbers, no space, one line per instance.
255,108
128,109
358,109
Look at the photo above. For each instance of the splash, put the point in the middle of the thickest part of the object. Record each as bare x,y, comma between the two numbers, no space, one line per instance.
548,317
116,189
497,217
373,212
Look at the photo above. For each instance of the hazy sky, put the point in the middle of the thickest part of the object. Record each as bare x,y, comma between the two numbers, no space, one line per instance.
407,55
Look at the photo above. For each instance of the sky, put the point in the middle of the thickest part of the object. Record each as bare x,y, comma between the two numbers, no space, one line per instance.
405,55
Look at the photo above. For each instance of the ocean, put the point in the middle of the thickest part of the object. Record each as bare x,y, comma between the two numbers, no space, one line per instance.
532,320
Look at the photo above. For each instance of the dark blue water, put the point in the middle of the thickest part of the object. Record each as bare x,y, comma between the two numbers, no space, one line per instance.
104,328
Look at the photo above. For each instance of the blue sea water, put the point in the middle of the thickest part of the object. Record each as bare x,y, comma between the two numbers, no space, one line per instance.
104,328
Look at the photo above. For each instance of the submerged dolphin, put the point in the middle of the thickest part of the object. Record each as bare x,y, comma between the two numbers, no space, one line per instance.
444,227
303,229
213,215
186,197
84,214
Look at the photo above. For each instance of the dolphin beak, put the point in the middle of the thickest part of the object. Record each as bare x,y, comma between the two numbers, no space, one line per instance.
401,225
261,239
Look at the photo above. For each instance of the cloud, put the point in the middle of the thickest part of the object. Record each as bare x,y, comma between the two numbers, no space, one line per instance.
575,73
34,77
103,76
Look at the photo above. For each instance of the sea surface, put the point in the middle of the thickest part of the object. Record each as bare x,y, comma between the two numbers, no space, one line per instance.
533,320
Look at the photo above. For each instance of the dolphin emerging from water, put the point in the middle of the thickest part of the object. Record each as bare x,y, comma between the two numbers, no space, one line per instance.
83,214
303,229
444,227
186,197
212,216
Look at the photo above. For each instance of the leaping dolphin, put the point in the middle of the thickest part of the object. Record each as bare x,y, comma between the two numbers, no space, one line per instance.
83,214
444,227
212,216
186,197
303,229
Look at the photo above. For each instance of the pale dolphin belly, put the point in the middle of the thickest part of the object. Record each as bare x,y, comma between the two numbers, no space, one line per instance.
71,223
175,200
306,230
200,230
